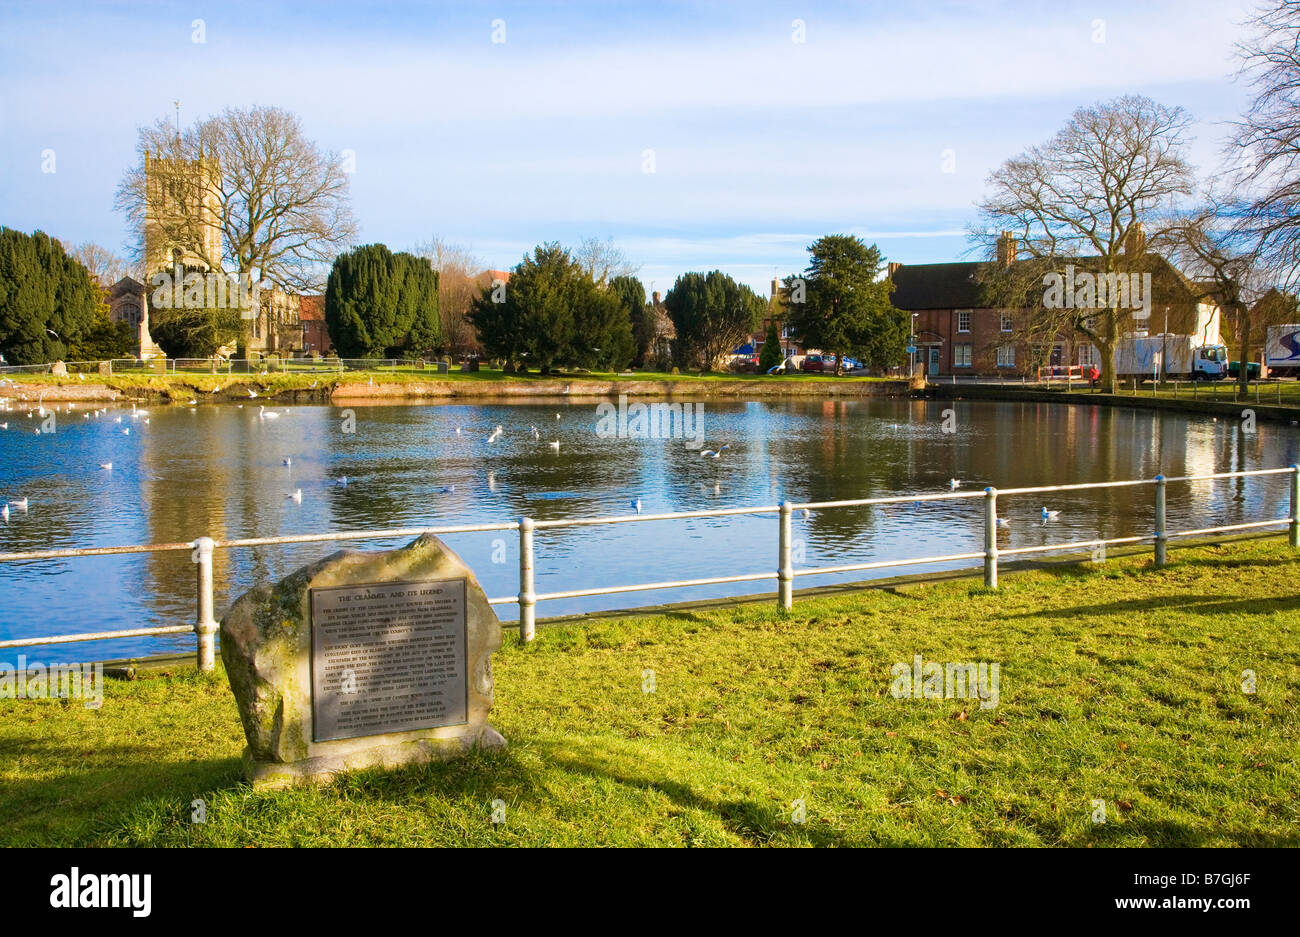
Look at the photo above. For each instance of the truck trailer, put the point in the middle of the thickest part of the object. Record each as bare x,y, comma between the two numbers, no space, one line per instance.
1282,353
1177,357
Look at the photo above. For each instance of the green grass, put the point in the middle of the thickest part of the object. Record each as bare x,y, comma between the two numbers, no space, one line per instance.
1274,393
1118,683
183,384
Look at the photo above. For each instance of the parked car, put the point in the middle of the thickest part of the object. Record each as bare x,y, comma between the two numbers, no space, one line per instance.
820,363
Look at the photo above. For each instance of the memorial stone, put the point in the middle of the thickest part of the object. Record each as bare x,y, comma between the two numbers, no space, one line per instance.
364,659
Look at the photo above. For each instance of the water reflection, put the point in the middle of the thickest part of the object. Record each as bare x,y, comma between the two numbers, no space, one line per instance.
219,470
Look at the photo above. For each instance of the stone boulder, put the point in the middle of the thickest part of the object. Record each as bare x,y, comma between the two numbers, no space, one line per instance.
267,647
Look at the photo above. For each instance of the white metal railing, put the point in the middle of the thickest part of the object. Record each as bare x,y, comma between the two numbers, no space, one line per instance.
201,550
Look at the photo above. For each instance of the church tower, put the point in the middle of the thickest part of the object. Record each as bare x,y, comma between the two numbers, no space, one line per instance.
182,209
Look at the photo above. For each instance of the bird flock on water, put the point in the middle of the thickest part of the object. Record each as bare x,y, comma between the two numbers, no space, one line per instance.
140,417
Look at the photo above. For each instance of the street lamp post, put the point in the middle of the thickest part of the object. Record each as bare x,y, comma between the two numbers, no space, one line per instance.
915,348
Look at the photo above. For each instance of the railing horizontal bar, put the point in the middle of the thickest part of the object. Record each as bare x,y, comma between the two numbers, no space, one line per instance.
95,551
885,564
365,535
1219,530
648,586
1076,544
1197,478
1079,487
633,518
504,600
895,499
98,636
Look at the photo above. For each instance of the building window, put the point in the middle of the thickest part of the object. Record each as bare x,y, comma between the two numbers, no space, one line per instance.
963,320
1006,322
961,354
1006,356
1087,355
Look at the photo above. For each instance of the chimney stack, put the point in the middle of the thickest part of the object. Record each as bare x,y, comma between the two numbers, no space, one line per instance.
654,297
776,287
893,268
1006,249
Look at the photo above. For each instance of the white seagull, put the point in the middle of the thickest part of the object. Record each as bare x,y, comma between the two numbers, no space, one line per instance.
710,453
954,483
296,496
126,431
1003,522
252,393
555,445
4,512
637,505
20,504
1050,515
106,465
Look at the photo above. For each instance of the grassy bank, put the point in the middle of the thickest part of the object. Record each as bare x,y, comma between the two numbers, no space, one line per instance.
412,382
1118,683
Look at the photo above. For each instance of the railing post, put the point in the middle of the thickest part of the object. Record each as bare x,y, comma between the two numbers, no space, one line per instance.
990,538
527,595
1162,541
205,625
785,563
1295,506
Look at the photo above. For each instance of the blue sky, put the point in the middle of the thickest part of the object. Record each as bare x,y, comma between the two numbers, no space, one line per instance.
760,143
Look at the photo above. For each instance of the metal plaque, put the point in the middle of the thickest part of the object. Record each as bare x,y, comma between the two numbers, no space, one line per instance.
388,657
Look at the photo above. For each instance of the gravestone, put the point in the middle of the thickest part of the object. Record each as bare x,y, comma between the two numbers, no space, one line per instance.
364,659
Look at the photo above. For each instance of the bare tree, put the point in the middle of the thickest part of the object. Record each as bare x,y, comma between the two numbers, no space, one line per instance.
458,286
105,267
1221,259
1087,191
603,261
1266,145
255,195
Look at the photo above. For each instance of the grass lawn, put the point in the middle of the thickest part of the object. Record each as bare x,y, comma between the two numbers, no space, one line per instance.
302,379
1274,393
1118,683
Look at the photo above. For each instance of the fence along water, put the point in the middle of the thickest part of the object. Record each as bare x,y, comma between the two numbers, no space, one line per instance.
202,548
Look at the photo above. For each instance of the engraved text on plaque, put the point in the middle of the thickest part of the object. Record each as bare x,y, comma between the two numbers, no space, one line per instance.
387,657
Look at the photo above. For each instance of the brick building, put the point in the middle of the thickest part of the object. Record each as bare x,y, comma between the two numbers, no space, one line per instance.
311,313
959,331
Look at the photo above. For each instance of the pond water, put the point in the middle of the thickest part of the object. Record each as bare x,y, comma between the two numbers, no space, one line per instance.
219,470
